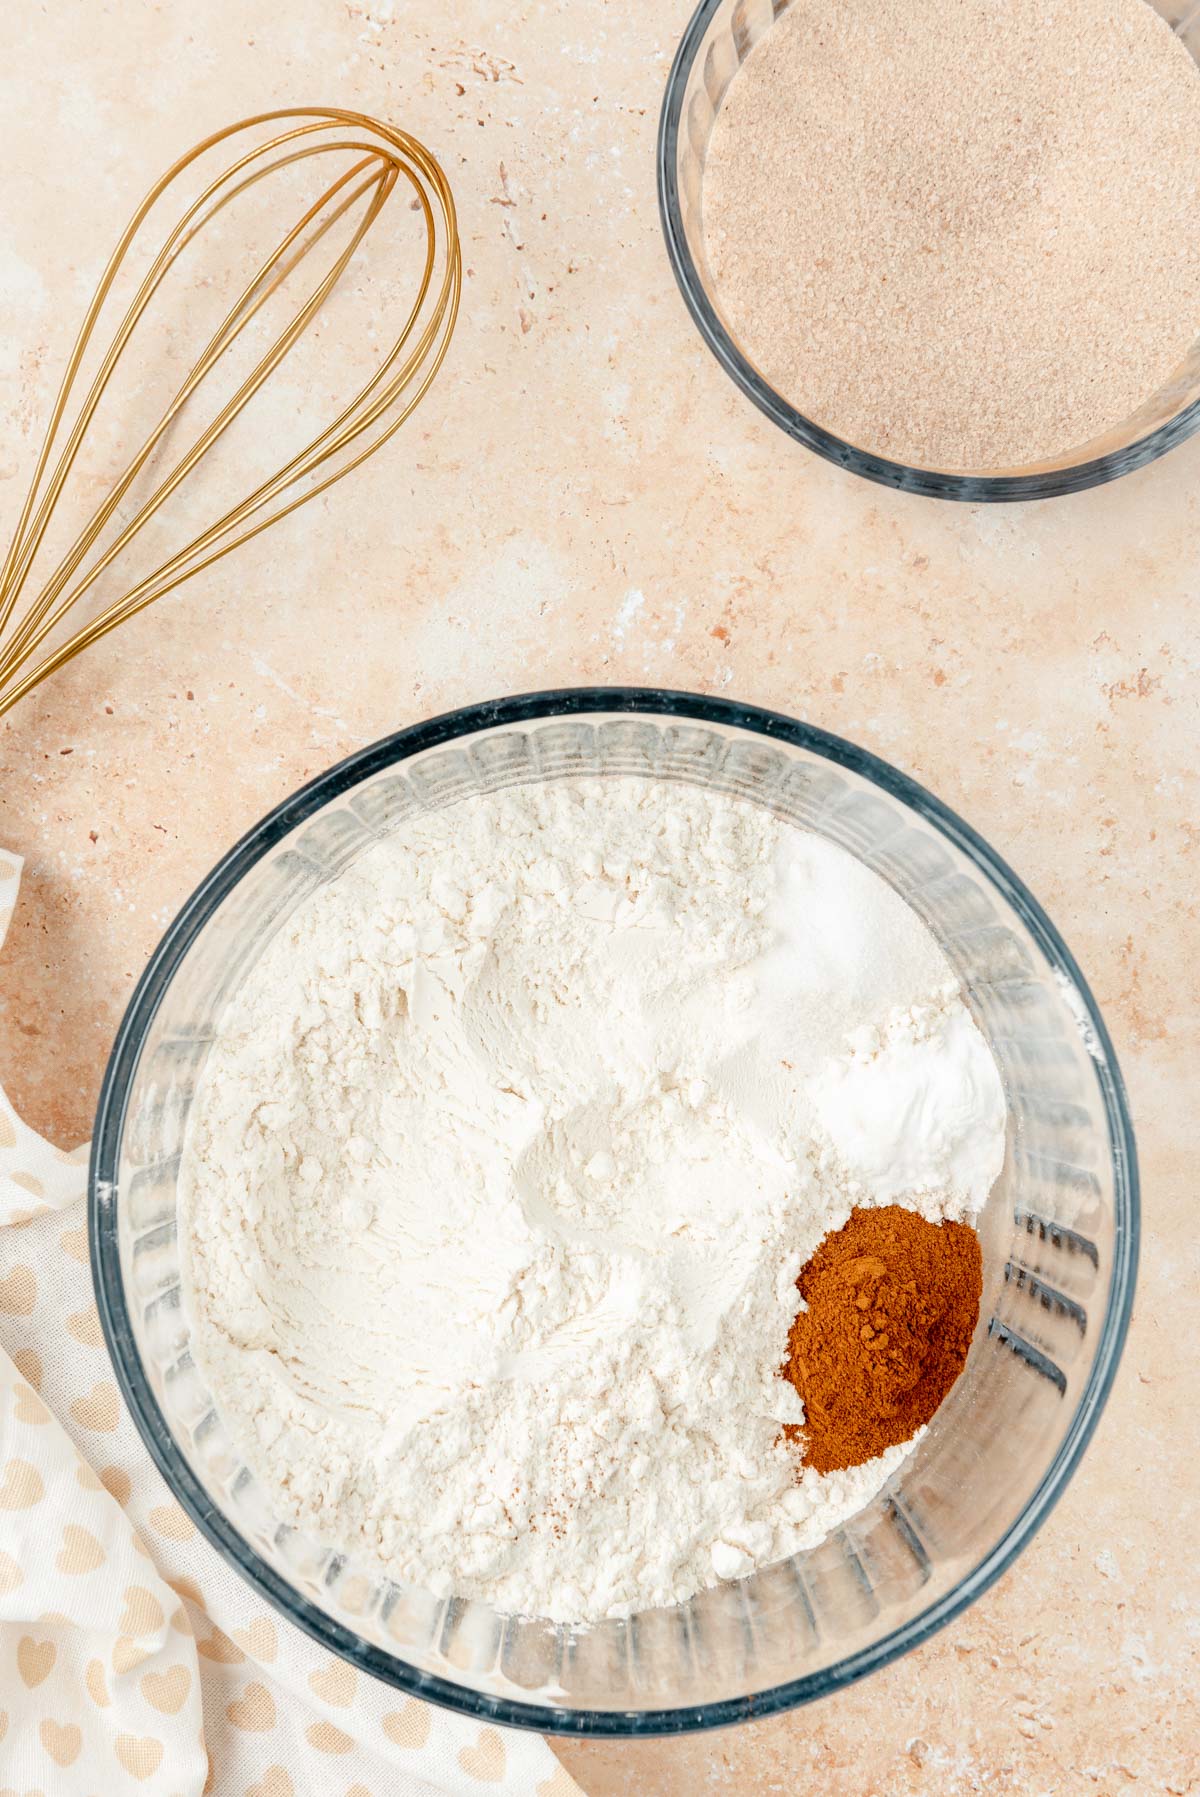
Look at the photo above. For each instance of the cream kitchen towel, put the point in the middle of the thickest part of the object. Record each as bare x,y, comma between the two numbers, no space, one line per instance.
132,1659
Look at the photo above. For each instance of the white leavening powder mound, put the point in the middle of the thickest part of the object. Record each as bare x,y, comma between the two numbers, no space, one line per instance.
504,1164
914,1112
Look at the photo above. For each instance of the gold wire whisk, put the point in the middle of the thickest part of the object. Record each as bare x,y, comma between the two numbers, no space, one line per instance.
382,159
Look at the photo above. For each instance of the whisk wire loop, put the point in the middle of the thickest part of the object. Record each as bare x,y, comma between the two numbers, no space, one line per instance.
384,157
28,636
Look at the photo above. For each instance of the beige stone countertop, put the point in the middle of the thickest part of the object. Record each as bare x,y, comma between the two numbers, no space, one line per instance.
586,498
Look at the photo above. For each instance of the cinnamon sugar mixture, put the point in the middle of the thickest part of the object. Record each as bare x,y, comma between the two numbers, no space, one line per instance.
961,233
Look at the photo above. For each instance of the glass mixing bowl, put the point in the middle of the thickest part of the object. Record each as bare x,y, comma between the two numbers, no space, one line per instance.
1059,1236
720,37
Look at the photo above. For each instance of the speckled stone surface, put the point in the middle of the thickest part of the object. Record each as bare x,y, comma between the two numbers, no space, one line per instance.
585,497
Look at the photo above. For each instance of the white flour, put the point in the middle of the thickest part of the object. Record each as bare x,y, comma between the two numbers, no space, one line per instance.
505,1163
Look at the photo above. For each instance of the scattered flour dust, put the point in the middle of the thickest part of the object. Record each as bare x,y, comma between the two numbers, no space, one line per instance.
504,1165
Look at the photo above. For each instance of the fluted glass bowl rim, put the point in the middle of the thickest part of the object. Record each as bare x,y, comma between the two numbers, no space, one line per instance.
335,784
929,482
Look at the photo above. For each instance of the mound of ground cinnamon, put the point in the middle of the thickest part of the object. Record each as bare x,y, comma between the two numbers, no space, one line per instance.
892,1302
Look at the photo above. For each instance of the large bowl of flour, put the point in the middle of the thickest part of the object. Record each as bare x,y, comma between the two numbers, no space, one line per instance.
901,229
457,1158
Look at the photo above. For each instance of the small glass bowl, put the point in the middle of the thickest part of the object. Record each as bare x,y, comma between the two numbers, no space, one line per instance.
1059,1237
720,37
